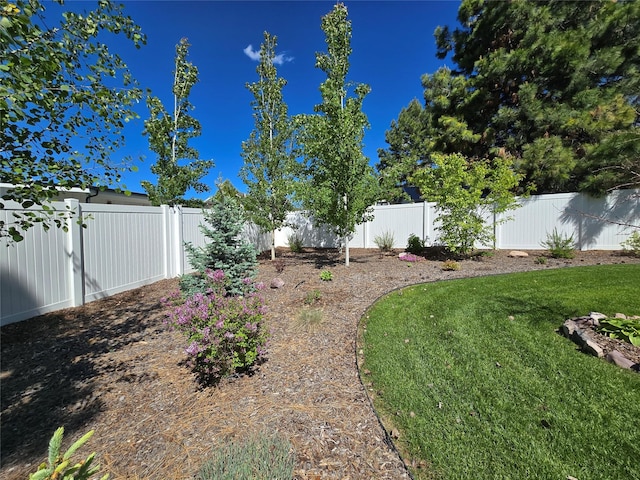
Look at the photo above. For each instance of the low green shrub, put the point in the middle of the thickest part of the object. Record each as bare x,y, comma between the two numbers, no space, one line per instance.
559,246
385,241
295,243
632,244
541,260
261,456
61,467
415,244
226,333
312,297
627,329
450,265
326,276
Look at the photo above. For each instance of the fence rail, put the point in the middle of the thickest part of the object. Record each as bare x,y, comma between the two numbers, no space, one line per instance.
124,247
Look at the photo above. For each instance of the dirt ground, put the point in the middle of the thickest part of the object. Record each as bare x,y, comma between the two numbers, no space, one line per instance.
113,366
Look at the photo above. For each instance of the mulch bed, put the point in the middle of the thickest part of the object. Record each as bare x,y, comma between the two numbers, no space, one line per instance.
113,366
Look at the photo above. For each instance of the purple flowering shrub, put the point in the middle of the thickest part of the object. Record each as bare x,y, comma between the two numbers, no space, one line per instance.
225,332
410,257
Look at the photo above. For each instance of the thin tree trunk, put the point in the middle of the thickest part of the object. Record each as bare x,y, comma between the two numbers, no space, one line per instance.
273,244
346,250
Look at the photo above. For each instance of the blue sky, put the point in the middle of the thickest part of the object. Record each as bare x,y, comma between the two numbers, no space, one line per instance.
392,43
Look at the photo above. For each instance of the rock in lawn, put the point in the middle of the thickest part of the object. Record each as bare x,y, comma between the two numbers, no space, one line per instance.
619,359
277,283
518,253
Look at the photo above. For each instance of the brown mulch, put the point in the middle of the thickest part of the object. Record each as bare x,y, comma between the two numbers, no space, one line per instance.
113,366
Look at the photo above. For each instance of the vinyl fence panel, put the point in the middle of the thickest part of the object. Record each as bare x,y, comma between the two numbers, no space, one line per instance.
123,247
34,277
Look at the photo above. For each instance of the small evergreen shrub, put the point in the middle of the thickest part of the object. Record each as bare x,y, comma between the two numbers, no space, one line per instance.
259,457
631,245
225,250
225,333
295,243
415,245
559,246
384,241
60,466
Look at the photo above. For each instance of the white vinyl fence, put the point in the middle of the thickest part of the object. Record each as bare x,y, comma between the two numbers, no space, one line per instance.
124,247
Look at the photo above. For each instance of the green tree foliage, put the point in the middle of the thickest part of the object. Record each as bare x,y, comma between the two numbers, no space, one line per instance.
546,83
225,250
64,100
465,193
169,135
269,153
341,185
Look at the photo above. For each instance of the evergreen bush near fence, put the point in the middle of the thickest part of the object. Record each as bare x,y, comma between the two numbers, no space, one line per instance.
225,250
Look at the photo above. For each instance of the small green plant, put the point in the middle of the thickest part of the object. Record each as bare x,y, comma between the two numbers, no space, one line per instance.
326,276
631,245
61,467
312,297
450,265
627,329
309,319
261,457
415,244
295,243
541,260
559,246
385,241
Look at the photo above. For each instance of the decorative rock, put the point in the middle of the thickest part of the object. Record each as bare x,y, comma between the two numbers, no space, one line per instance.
402,254
518,253
597,316
569,328
589,345
619,359
620,315
277,283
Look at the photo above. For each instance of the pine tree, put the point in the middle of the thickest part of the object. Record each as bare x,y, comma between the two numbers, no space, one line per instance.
225,250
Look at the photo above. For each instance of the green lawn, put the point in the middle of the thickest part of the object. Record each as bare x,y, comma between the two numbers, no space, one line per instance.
476,394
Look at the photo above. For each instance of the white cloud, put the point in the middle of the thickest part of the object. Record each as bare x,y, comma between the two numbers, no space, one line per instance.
251,53
279,59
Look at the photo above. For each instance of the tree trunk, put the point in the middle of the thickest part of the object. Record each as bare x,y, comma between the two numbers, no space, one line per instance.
346,250
273,244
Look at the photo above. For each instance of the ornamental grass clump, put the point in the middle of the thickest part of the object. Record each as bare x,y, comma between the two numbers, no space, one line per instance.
225,333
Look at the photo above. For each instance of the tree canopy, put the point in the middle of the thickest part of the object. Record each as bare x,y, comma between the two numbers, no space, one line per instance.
64,100
547,83
269,154
341,185
169,135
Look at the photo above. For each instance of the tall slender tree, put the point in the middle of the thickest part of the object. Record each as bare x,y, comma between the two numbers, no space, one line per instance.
64,98
269,153
341,184
169,134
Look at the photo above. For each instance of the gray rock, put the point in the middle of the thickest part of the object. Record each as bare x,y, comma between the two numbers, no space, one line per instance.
277,283
597,316
619,359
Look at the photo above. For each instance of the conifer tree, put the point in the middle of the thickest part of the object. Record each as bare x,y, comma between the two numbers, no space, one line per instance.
225,250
